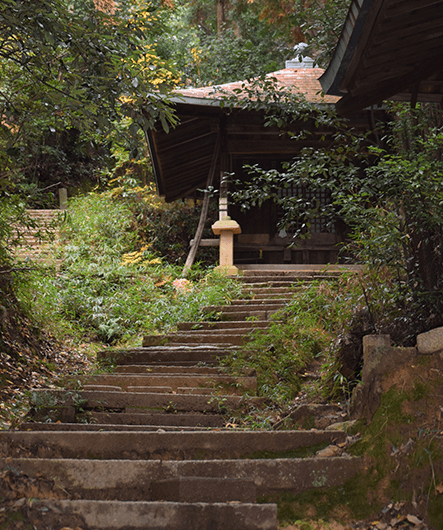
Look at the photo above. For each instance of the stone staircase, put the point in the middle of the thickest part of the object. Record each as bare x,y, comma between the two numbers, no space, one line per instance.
148,445
36,240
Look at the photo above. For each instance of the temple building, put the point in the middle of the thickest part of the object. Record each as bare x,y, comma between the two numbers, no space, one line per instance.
213,139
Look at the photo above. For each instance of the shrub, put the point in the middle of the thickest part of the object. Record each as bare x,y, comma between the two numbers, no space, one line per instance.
166,228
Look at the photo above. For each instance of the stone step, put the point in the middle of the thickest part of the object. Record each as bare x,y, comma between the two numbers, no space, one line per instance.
270,282
251,290
223,325
253,302
250,306
112,388
236,337
159,369
118,515
286,297
165,355
33,237
155,419
44,400
132,480
127,382
210,391
296,269
232,389
199,445
258,315
44,213
81,427
295,279
215,332
204,489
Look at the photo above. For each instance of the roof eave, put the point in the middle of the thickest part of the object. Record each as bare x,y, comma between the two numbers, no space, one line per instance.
205,102
344,52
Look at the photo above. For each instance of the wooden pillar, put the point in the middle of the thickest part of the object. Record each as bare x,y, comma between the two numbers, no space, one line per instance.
205,207
223,197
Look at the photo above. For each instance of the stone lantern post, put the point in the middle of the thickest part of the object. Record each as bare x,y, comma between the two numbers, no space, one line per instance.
226,228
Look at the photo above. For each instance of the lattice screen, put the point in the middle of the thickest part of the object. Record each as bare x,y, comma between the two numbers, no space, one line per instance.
318,224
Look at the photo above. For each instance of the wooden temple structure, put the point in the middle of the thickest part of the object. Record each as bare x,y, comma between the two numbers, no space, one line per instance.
388,49
212,140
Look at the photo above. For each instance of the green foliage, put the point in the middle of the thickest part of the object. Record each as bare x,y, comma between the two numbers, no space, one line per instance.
245,47
388,193
165,228
112,288
13,221
321,24
68,74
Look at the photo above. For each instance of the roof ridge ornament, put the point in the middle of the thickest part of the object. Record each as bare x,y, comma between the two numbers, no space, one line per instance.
300,60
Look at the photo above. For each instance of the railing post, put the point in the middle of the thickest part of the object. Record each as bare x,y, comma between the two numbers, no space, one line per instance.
63,198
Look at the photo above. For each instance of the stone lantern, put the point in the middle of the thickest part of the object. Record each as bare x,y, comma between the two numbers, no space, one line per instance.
226,228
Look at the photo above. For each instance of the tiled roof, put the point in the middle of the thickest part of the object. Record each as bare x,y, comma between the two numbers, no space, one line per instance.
301,80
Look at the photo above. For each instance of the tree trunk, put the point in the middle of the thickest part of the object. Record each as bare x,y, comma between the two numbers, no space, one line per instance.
220,16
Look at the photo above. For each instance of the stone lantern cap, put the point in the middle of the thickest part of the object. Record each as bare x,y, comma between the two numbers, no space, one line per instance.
226,224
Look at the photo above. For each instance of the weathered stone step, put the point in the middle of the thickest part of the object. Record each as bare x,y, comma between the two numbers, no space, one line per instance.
223,325
286,297
33,237
131,480
260,290
127,382
235,337
113,388
258,315
210,391
259,301
293,284
81,427
251,305
46,400
296,278
156,419
44,213
161,445
214,390
158,369
294,269
166,355
244,330
204,489
117,515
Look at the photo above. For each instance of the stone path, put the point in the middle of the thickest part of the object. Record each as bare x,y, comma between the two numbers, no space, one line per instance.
147,446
